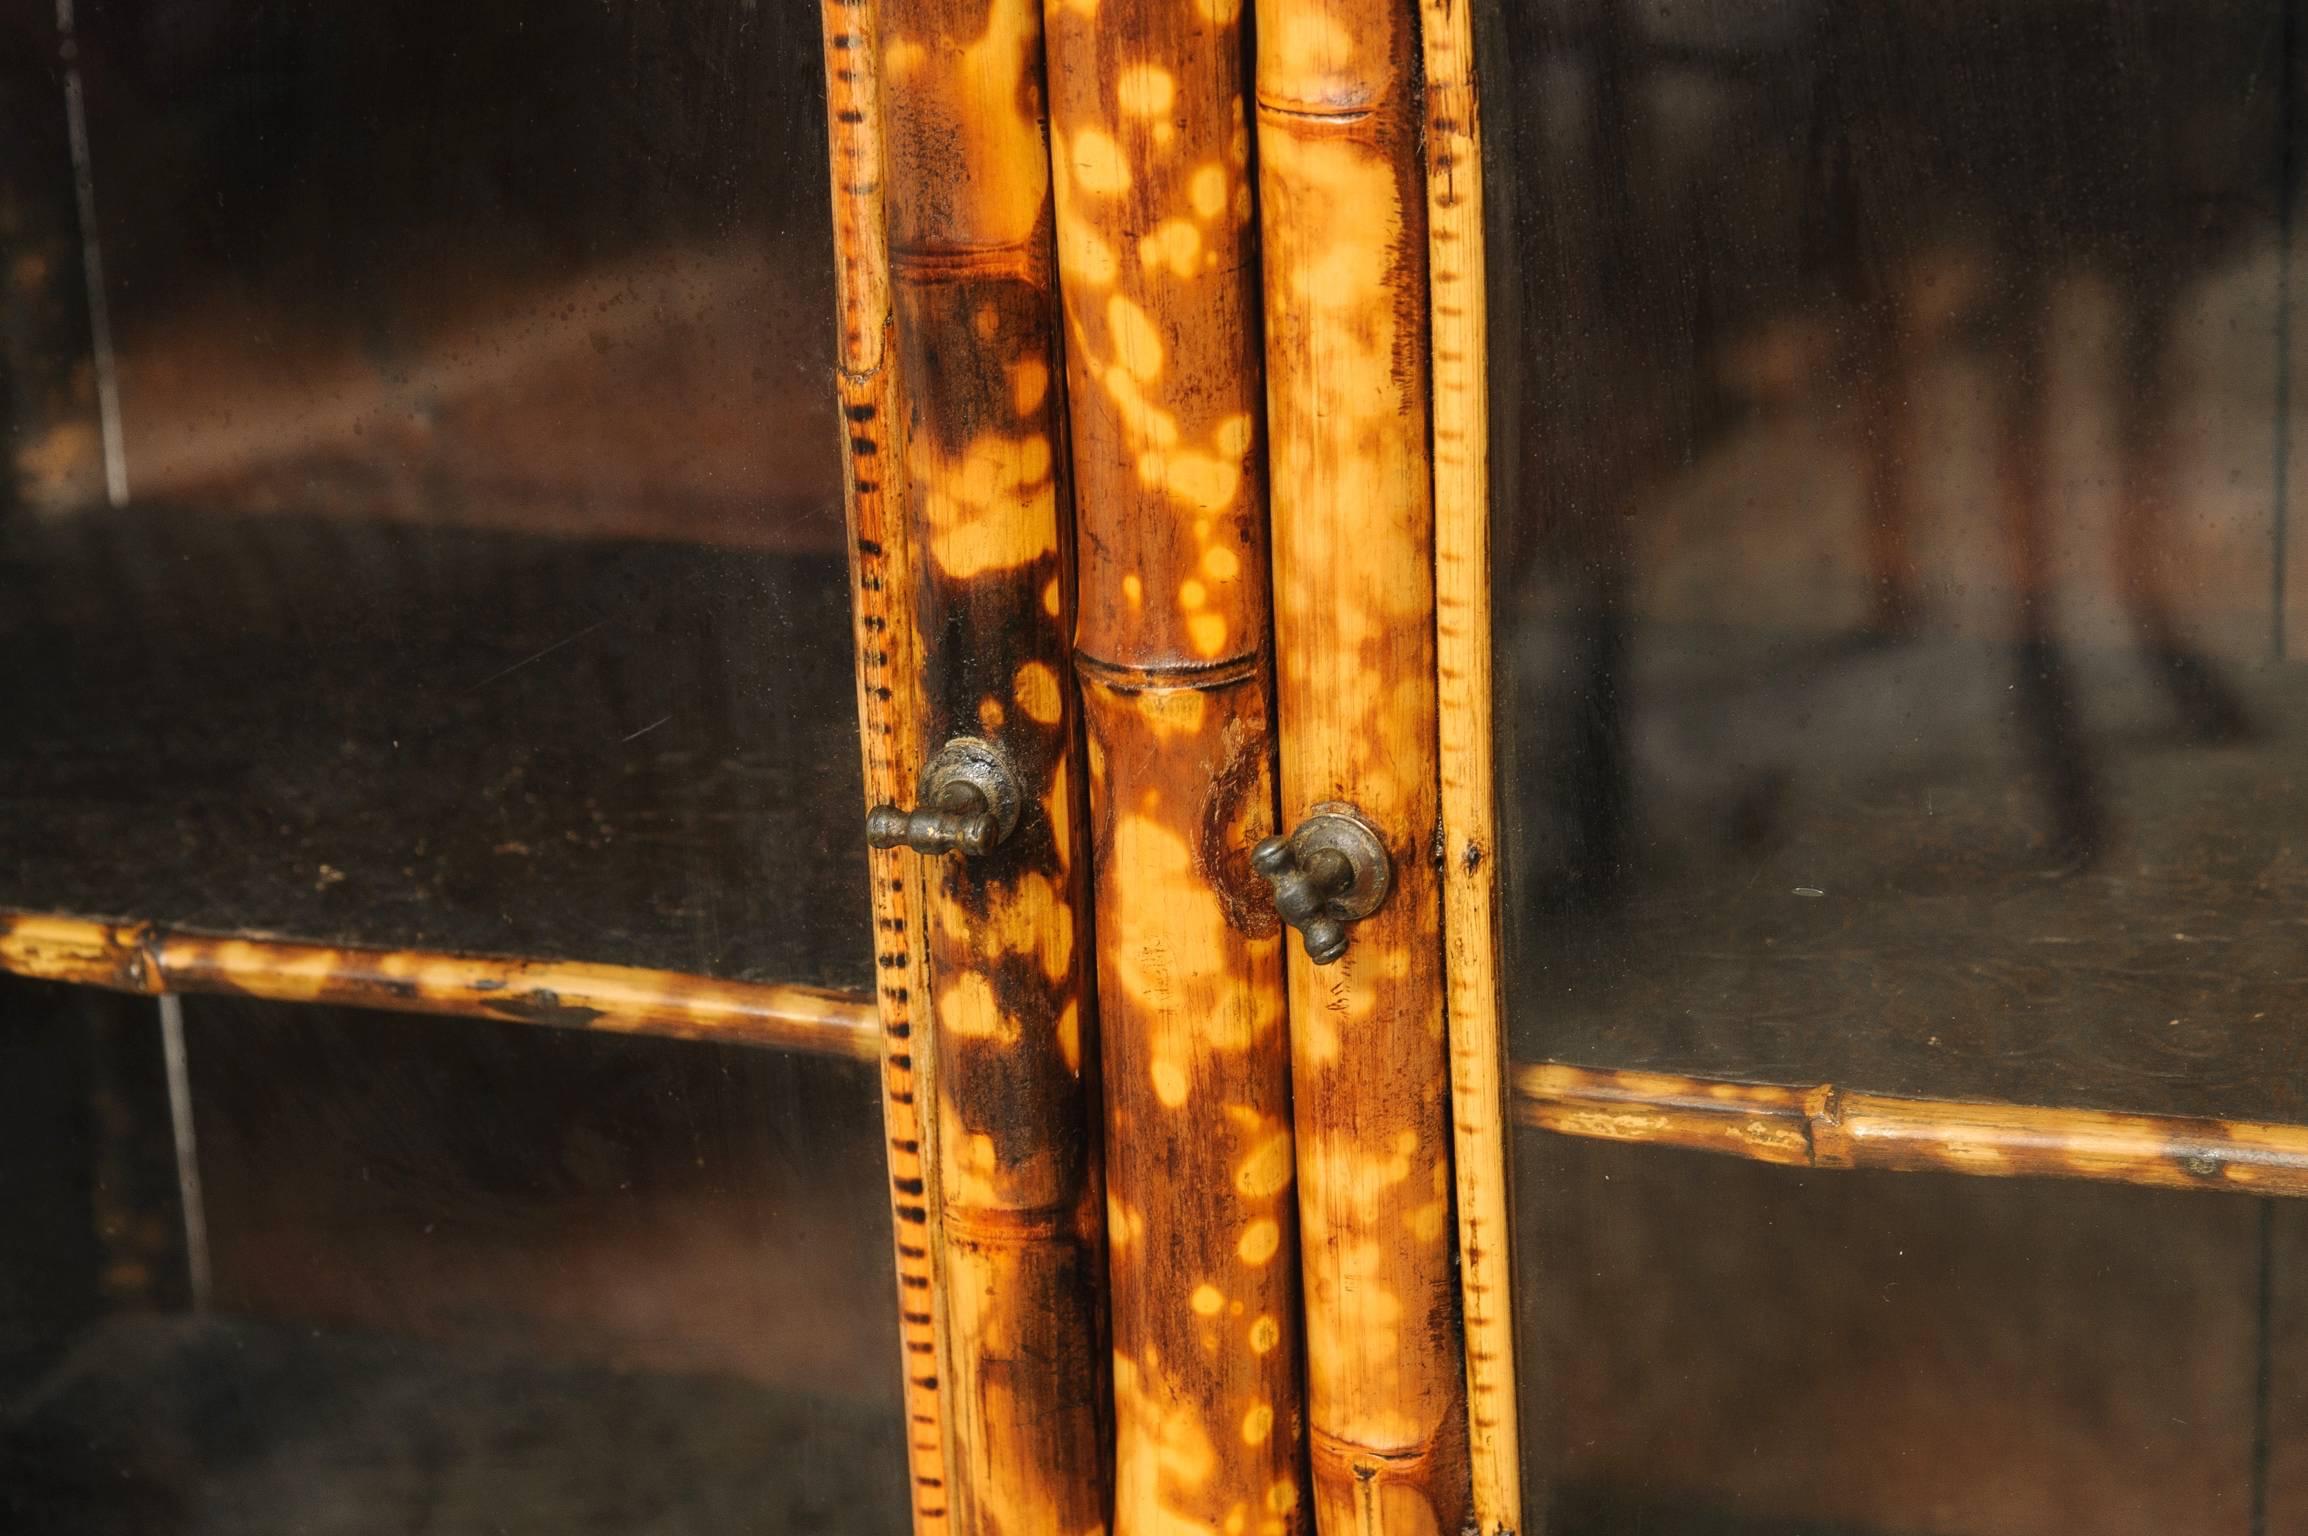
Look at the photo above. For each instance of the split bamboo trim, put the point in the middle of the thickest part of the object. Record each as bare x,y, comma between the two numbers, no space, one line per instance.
1462,511
882,563
614,999
1026,1399
1342,185
1151,150
1827,1127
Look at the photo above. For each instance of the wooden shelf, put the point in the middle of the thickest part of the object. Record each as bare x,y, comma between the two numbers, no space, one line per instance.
1899,976
564,994
402,737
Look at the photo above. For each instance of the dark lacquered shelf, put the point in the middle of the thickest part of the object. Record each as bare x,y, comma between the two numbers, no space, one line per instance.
415,737
1897,923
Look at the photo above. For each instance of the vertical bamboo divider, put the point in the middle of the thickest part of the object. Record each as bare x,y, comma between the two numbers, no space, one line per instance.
1017,1175
1156,250
1343,197
889,720
1459,309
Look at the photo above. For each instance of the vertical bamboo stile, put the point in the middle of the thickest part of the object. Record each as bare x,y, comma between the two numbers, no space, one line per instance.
1462,495
1343,199
889,722
1156,248
1018,1151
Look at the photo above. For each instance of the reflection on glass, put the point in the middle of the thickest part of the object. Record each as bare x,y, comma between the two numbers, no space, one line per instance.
1894,595
420,528
467,1277
1717,1348
477,581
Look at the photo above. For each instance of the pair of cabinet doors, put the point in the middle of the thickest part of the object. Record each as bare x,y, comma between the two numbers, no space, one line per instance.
1229,601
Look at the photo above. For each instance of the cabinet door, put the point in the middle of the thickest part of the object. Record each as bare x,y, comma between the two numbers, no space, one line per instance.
1898,695
428,526
423,590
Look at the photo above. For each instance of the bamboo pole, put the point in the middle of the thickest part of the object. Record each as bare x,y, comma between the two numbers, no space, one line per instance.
1156,255
1344,224
1018,1156
1824,1126
150,960
1460,312
883,564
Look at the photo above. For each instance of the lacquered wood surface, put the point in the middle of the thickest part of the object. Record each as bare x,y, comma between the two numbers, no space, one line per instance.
369,734
1940,960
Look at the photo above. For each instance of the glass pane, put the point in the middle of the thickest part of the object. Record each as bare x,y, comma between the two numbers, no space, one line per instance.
1714,1348
1899,631
428,530
454,1276
1901,667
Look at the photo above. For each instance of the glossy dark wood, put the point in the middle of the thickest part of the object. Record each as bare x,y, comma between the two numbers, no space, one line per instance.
1904,937
359,732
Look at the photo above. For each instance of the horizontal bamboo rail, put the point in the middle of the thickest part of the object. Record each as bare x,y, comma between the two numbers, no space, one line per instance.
1828,1127
614,999
1821,1126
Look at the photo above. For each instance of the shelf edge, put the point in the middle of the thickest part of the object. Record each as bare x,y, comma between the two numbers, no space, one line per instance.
151,959
1824,1126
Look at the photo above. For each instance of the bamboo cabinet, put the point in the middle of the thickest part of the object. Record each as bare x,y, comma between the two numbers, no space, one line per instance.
863,767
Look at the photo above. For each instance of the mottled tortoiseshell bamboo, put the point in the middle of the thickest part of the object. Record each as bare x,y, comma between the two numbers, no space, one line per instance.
1150,144
1827,1127
1343,215
882,568
145,958
1026,1397
1459,307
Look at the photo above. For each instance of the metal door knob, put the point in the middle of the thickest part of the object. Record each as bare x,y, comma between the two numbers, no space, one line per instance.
1330,871
969,804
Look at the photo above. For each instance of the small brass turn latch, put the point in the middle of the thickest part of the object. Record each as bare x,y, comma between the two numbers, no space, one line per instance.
969,804
1332,870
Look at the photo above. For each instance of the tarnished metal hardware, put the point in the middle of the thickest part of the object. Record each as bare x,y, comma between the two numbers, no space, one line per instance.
969,804
1329,872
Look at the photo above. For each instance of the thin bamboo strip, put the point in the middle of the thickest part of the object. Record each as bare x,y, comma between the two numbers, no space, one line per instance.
1462,492
86,951
1151,148
1343,216
890,710
1826,1127
1019,1155
144,958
